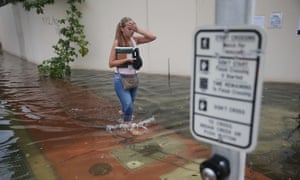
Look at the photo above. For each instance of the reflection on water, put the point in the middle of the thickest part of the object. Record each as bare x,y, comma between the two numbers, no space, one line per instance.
47,109
12,159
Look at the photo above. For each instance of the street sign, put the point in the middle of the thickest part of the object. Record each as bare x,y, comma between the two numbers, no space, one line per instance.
226,86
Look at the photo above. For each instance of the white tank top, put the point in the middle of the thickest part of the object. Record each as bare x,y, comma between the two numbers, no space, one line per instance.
129,69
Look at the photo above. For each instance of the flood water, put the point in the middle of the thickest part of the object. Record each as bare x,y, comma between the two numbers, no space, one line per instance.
39,115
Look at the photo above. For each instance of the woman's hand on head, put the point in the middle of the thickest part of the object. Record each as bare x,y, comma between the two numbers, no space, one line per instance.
133,26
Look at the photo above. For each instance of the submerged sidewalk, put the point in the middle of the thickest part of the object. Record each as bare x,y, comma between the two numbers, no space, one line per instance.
61,128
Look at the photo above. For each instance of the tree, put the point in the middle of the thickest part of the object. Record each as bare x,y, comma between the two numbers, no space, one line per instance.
5,2
72,43
28,4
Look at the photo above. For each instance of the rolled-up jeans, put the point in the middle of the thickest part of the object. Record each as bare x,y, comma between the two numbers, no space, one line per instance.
126,97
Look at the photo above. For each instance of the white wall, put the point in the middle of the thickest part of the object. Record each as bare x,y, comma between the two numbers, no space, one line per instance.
173,21
8,33
283,47
27,34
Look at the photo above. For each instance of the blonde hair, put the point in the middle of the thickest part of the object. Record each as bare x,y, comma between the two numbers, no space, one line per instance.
119,34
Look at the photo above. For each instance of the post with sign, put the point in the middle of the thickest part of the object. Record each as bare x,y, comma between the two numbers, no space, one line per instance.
226,87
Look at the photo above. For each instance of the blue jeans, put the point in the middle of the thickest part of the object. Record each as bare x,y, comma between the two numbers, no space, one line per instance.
126,97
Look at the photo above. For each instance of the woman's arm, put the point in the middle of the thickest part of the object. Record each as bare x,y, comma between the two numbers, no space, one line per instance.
113,62
145,36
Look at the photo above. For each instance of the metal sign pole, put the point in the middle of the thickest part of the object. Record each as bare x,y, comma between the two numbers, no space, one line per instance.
233,12
226,88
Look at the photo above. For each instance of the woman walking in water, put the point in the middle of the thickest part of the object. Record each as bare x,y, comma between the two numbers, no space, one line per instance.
128,34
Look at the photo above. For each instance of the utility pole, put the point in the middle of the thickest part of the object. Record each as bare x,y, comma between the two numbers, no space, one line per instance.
234,12
226,88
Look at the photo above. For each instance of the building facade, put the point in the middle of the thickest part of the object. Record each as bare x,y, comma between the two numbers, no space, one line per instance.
31,36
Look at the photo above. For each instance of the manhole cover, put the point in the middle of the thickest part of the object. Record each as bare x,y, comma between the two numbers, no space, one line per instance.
100,169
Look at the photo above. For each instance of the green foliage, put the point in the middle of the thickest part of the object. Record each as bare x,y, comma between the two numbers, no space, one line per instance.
71,43
5,2
37,4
